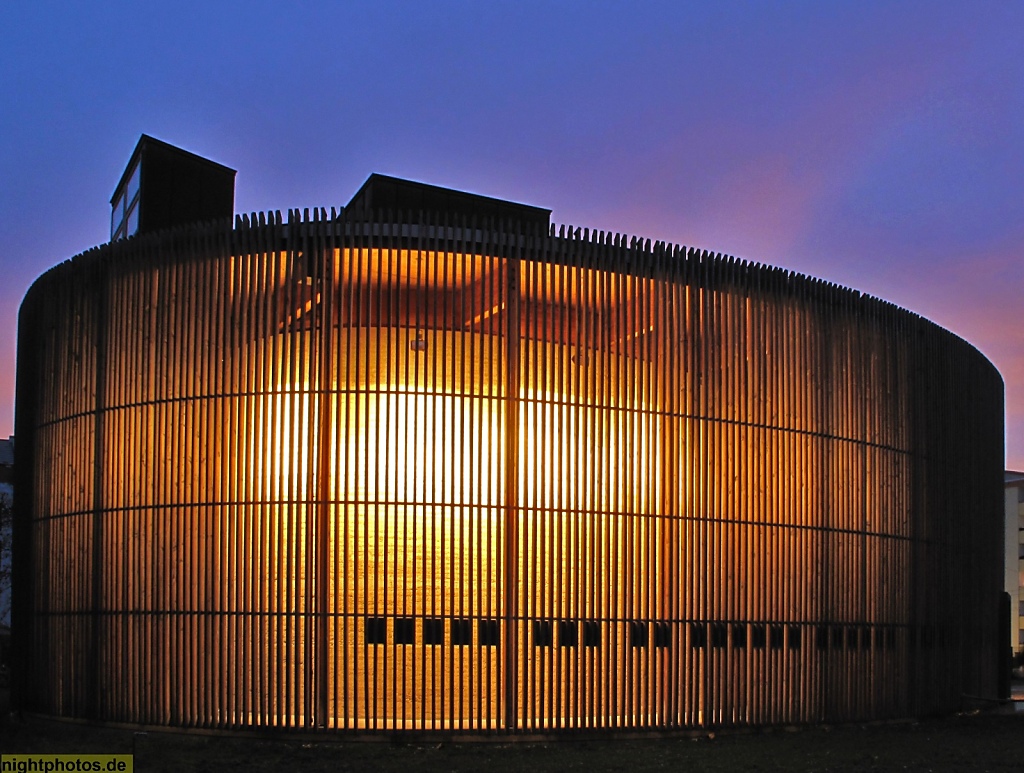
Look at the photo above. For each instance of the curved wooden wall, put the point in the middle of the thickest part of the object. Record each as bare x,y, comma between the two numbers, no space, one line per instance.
411,473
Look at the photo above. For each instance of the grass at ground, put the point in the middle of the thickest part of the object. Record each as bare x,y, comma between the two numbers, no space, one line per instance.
970,742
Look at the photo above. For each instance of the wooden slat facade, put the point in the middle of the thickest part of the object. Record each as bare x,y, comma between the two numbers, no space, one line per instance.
419,472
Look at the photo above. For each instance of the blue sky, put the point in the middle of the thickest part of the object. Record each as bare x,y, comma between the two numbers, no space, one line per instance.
878,145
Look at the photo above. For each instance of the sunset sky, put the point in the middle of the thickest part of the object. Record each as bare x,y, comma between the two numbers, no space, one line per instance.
877,145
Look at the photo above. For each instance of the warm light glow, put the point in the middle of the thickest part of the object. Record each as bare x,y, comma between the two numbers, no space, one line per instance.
365,475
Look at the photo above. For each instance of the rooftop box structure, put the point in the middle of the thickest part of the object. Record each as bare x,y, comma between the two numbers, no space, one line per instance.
164,186
382,193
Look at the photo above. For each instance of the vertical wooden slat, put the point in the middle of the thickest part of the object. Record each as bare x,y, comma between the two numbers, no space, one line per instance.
776,480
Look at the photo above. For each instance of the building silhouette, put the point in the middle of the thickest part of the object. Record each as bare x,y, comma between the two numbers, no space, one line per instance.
429,462
6,535
1013,542
164,186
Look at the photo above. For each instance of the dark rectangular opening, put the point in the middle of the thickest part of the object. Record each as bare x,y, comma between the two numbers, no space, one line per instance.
462,632
739,636
405,630
567,636
719,636
821,637
758,636
698,635
591,633
433,630
778,636
376,630
638,634
662,635
543,634
794,637
490,633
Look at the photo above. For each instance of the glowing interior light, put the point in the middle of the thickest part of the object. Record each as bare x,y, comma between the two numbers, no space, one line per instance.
367,487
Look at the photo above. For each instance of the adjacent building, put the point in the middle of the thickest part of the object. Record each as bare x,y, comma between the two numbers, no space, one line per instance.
7,467
428,462
6,501
1013,544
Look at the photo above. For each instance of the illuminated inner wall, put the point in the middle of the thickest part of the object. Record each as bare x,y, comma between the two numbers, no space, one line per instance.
391,472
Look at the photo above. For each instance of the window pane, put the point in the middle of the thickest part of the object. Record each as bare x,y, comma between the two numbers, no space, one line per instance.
133,184
133,220
116,216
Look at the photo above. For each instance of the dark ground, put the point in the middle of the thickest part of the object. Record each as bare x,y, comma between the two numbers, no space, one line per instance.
979,741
